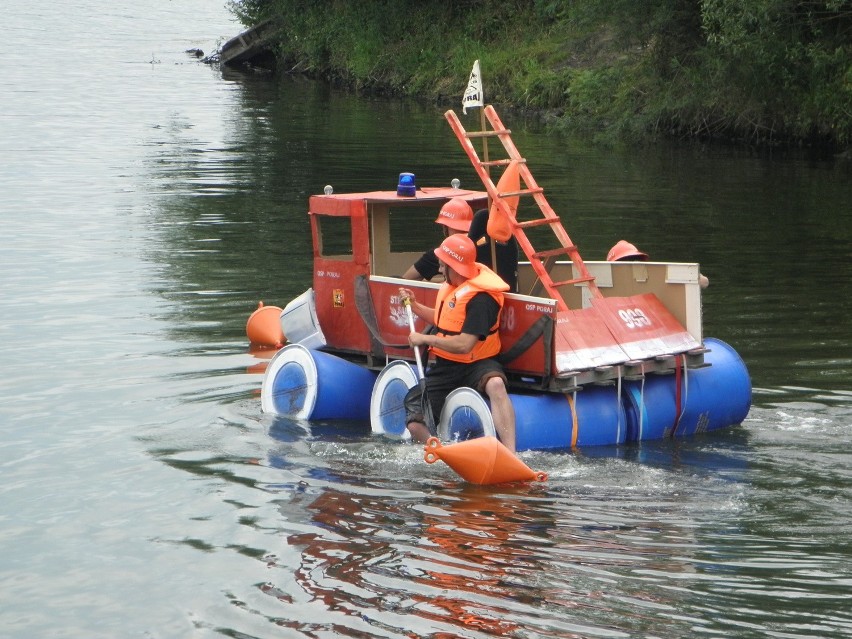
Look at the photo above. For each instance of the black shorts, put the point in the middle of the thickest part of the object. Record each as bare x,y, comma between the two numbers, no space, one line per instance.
443,377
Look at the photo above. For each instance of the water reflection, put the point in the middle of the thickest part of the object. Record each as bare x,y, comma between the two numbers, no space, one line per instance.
358,538
262,356
459,560
453,564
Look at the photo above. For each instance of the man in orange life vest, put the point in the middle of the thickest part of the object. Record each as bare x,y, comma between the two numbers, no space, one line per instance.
467,342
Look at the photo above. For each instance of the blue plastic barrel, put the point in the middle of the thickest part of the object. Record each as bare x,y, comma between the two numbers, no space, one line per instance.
387,408
546,420
311,384
713,397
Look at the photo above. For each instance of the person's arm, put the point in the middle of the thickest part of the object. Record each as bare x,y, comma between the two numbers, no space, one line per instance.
412,274
478,227
425,268
459,344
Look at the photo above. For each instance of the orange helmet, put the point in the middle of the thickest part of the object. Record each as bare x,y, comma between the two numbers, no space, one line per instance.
459,253
456,214
625,251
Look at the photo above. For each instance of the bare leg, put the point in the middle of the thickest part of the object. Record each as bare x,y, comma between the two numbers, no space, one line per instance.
502,411
419,432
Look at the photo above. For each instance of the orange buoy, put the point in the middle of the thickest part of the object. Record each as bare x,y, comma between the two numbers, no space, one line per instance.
483,460
264,326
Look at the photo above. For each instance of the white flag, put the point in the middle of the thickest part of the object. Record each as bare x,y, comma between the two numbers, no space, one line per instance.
473,93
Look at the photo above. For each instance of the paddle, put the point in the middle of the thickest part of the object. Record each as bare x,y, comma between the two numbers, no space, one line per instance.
424,400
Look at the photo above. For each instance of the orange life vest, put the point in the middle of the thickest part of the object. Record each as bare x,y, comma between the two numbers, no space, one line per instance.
451,310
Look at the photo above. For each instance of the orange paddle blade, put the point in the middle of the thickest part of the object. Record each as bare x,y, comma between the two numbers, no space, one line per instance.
483,460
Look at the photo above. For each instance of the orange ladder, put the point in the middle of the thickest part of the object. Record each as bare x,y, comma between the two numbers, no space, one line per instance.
541,261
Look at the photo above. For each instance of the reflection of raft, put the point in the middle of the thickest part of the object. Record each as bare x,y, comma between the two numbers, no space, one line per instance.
311,384
595,352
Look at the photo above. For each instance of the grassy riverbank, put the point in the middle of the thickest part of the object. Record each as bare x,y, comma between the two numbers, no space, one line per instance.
757,71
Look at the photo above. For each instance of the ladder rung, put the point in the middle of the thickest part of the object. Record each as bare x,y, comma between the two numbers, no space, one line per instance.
547,258
522,192
486,134
502,162
539,222
562,250
578,280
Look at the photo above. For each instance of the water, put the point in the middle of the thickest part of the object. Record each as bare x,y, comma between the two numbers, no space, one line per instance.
148,202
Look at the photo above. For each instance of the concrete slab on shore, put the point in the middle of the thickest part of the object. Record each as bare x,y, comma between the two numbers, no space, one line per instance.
250,44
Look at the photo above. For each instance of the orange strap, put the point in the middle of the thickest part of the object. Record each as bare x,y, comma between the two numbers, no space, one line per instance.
574,424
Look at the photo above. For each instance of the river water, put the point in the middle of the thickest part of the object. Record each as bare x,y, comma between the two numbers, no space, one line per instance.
148,201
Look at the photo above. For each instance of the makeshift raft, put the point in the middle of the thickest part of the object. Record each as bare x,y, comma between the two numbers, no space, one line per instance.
312,384
595,353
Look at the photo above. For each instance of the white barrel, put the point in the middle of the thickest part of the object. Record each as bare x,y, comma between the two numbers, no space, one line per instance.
465,415
387,403
311,384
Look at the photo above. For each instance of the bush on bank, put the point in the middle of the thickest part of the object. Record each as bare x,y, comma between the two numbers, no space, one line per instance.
760,71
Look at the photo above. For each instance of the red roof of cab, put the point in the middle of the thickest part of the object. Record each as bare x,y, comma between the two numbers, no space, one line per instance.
339,204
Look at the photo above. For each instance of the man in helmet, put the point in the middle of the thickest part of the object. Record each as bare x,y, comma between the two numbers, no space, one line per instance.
467,341
624,251
455,217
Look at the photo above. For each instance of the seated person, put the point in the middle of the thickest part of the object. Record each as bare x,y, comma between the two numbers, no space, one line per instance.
624,251
455,217
466,344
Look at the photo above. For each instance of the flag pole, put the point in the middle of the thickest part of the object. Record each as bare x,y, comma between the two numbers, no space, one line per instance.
474,96
486,167
484,139
488,172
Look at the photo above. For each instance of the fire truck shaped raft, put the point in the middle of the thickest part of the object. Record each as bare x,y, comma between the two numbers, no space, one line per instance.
596,353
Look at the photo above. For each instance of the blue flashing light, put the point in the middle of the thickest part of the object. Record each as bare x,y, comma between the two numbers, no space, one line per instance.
406,186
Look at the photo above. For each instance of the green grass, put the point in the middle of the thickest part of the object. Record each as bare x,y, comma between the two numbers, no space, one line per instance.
762,71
